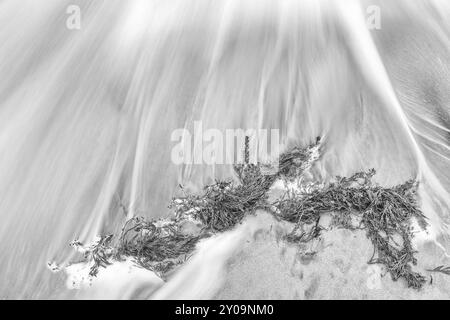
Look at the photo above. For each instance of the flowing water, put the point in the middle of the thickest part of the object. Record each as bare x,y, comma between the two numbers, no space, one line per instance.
86,116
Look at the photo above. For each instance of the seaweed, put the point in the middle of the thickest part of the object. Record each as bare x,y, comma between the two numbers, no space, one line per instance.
151,245
294,162
299,235
100,254
385,213
441,269
225,203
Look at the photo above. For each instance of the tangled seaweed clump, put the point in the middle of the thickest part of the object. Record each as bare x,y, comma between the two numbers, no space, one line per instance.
225,204
152,245
386,214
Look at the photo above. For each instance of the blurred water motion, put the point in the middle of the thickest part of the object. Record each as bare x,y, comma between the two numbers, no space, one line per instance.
86,115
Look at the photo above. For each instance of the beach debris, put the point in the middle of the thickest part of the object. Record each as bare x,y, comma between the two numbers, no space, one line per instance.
297,160
441,269
53,266
155,246
385,213
100,254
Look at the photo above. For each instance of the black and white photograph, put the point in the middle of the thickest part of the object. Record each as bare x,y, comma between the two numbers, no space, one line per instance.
225,155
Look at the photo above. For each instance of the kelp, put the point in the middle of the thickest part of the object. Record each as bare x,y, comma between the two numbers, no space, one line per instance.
441,269
294,162
152,245
225,203
100,254
384,213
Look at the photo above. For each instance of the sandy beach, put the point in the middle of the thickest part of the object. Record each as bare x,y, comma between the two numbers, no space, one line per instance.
267,267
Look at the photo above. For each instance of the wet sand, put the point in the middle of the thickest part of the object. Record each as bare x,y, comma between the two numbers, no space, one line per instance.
254,261
266,267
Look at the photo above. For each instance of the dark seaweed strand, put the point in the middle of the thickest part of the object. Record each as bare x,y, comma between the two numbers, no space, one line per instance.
441,269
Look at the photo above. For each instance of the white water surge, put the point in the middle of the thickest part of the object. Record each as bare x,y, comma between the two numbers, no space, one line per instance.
86,116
